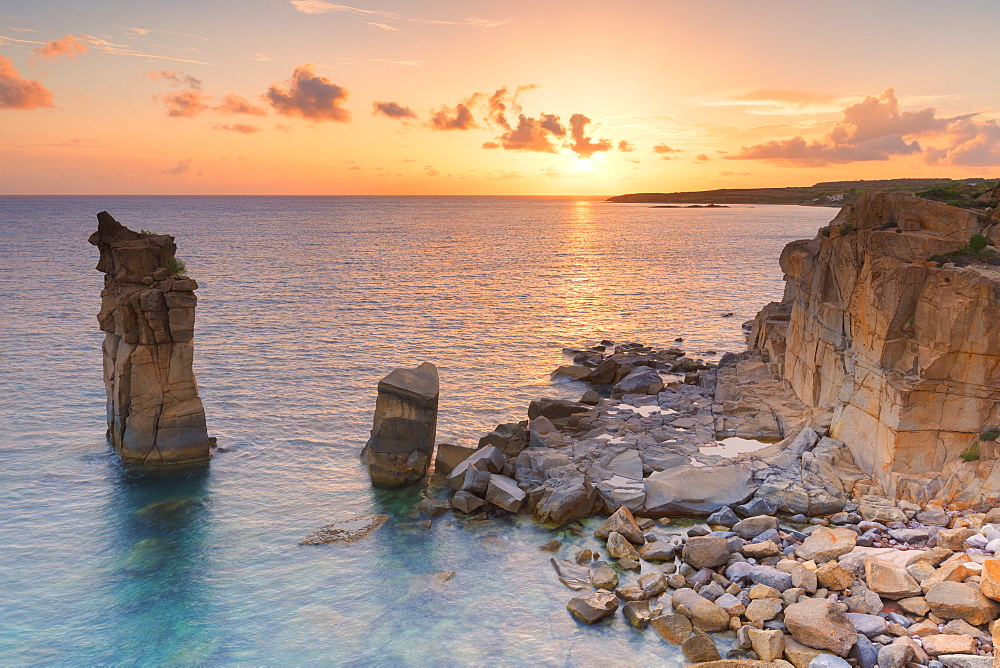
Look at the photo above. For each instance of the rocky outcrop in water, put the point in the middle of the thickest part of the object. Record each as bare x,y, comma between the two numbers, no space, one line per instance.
402,440
155,416
891,322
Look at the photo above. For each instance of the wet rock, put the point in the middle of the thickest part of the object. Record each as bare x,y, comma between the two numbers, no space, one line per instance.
652,584
637,613
434,507
551,546
402,441
763,609
504,493
622,522
348,531
703,614
705,551
466,502
595,607
700,648
819,623
620,548
825,544
584,556
604,577
572,575
689,490
660,550
572,372
958,600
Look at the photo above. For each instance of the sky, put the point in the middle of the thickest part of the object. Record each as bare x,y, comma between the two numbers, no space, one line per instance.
440,97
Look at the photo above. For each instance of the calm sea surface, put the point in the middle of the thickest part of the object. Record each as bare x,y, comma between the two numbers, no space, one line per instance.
304,304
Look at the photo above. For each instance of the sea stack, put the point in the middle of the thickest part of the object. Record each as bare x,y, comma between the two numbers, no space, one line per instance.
402,440
155,416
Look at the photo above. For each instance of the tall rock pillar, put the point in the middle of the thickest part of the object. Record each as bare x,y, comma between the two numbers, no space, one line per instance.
155,416
402,440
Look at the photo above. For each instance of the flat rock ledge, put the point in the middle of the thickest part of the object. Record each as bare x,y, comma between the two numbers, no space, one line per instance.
347,531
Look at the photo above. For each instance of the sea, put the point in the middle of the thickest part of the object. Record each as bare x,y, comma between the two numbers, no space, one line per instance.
304,303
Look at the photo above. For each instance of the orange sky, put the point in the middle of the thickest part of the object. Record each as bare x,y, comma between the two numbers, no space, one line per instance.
447,97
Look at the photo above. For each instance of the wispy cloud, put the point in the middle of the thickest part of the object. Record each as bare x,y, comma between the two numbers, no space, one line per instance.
323,7
778,101
241,128
237,104
392,110
107,46
382,26
68,46
262,57
178,79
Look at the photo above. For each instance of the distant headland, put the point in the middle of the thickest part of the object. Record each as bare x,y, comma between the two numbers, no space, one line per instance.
962,192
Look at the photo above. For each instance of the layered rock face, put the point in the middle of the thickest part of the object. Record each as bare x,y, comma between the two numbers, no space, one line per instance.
155,416
906,353
402,440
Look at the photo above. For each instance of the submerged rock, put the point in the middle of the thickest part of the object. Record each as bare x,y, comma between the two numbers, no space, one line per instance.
155,416
404,425
348,531
595,607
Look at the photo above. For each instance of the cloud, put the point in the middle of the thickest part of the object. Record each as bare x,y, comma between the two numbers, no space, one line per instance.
702,157
181,167
972,142
392,110
17,92
491,144
237,104
778,101
583,145
309,96
242,128
178,79
873,129
534,134
665,150
322,7
625,147
106,46
458,118
382,26
68,46
262,57
730,172
184,103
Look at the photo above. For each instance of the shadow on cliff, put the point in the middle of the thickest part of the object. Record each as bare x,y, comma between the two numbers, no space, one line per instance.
157,568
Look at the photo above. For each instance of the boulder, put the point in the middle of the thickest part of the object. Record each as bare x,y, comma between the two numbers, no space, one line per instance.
703,614
672,628
623,522
643,380
604,577
770,576
832,575
700,648
889,580
965,660
825,544
896,655
769,644
705,551
504,493
620,548
449,456
936,645
869,626
466,502
402,439
958,600
434,507
690,490
627,465
761,610
752,527
595,607
637,613
555,409
954,539
800,655
989,585
820,624
659,550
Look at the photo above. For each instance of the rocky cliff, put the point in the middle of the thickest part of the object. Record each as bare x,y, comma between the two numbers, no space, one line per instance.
904,350
155,415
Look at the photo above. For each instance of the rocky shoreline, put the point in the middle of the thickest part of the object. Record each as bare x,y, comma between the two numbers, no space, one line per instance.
874,550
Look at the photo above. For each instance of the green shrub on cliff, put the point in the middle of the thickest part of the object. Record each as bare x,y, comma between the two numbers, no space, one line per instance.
971,453
147,233
991,434
175,266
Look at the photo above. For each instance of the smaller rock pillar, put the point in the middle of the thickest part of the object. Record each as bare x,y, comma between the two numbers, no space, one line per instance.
402,440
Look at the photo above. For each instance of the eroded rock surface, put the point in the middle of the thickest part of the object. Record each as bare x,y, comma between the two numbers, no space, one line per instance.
402,440
155,416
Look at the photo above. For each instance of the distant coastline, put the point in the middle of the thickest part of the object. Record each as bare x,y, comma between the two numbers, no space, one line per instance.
828,193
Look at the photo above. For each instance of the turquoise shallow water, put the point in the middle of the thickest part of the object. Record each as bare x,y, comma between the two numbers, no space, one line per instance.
304,304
